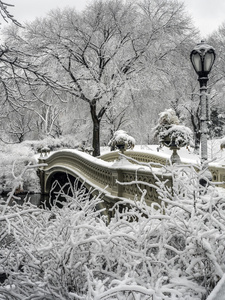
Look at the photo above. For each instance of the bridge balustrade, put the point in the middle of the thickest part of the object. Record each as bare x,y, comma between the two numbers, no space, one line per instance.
218,171
100,175
137,155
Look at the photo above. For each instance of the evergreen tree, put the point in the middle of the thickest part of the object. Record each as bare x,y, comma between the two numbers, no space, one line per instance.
216,124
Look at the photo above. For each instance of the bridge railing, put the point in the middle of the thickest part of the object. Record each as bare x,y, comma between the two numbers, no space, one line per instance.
102,175
137,155
218,172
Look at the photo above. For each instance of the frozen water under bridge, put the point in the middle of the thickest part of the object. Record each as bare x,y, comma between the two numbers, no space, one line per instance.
107,172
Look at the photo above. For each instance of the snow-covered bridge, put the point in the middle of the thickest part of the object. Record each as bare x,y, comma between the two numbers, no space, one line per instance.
103,173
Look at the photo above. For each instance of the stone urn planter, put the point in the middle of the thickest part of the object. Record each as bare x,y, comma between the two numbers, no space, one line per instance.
167,142
121,146
121,141
175,137
171,134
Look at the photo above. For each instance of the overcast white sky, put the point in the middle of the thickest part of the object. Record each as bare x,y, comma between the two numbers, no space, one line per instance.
207,14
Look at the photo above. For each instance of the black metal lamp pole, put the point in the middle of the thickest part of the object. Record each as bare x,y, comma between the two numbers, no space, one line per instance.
202,58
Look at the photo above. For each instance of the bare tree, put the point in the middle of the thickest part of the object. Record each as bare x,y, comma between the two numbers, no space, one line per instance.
95,55
20,124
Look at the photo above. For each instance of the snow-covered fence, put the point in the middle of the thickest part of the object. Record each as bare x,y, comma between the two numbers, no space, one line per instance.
103,176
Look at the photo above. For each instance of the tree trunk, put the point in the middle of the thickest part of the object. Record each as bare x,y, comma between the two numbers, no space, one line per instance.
96,137
96,130
197,141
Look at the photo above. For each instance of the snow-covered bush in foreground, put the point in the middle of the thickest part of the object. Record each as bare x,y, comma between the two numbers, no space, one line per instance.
172,250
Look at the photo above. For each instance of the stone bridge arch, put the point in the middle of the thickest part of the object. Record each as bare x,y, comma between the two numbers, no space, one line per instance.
63,175
60,174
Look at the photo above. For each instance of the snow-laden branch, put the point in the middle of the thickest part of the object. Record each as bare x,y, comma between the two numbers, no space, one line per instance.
6,15
173,249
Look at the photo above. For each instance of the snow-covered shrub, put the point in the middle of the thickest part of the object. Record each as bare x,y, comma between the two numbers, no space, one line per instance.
182,241
121,140
51,251
172,250
53,144
169,132
13,159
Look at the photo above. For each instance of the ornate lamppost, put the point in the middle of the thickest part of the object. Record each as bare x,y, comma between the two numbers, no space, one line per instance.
202,58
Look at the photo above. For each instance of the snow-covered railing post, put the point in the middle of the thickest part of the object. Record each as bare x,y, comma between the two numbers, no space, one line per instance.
41,172
117,190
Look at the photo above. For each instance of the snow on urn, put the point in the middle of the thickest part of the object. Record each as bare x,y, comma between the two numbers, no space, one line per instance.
122,141
171,134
